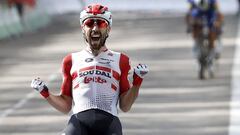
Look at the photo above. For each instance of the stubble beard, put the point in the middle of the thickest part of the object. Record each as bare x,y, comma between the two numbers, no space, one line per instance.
95,47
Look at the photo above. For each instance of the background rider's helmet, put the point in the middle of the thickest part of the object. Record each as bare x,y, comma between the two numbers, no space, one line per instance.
96,11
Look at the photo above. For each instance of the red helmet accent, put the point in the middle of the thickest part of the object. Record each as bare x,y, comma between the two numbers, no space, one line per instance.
96,11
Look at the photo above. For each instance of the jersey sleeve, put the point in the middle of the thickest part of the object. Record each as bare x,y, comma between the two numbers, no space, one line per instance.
66,88
124,67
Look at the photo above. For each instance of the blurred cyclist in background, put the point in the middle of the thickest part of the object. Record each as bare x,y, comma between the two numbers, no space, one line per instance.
20,5
210,10
95,80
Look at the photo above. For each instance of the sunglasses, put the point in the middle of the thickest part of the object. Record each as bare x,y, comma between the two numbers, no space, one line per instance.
99,22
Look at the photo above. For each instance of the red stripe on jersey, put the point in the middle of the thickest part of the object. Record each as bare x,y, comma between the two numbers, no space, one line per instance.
74,75
66,88
103,69
114,87
76,86
116,75
124,67
87,68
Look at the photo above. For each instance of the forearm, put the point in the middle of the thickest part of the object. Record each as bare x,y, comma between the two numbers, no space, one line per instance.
63,101
128,98
60,102
220,17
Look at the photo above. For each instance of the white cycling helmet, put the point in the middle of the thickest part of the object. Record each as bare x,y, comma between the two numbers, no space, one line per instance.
96,11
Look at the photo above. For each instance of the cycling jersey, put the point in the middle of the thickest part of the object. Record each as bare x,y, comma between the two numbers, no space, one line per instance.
95,82
210,12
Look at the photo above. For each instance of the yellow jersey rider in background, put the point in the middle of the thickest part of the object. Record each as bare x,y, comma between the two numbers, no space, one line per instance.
210,10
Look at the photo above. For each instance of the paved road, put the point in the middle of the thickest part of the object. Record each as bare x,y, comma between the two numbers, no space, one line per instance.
172,100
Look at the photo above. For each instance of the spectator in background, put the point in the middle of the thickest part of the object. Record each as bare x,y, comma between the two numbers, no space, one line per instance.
20,4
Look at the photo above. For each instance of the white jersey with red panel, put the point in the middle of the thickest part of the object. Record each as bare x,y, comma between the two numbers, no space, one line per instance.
95,82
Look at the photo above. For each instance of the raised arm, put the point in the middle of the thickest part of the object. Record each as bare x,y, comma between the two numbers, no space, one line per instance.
128,94
63,101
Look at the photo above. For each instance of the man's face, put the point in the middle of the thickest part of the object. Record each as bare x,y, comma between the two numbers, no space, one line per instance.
95,32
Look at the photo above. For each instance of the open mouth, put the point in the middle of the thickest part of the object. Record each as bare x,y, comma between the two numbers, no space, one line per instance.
95,37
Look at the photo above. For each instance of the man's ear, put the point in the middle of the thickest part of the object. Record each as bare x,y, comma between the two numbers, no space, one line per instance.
109,29
82,28
83,31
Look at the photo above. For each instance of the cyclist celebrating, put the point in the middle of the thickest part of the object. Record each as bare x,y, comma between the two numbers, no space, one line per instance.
95,80
210,10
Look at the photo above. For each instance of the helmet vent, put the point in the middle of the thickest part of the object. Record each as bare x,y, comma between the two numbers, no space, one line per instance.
96,10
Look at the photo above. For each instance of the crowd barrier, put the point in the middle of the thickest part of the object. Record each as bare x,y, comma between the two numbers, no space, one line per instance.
34,18
12,24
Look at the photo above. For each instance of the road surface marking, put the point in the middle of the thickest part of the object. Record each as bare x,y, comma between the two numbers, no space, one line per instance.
234,128
23,101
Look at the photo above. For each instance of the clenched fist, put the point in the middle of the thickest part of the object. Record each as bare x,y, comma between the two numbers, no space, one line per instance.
40,86
139,72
